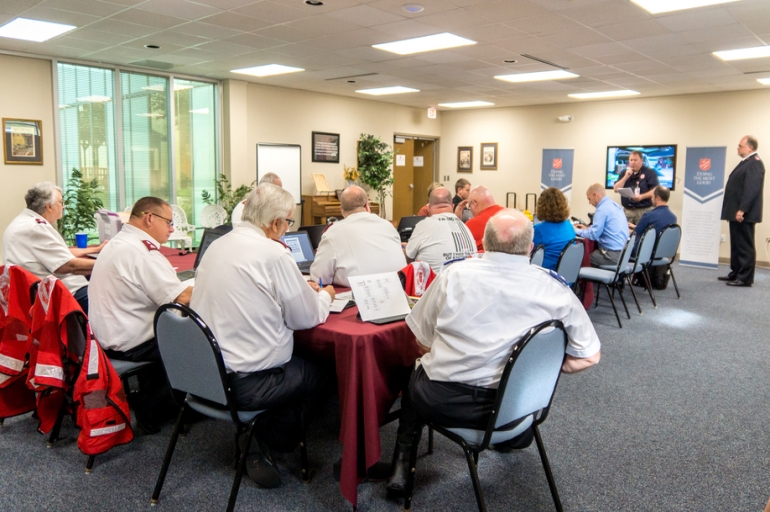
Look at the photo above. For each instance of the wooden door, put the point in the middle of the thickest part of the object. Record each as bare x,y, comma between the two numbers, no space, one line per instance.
403,180
423,175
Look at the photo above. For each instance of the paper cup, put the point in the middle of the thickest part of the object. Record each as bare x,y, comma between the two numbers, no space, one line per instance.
81,240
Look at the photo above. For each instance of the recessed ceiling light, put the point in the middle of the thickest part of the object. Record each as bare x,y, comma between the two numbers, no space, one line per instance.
464,104
744,53
413,8
380,91
314,3
94,99
425,44
764,81
605,94
267,70
33,30
537,77
658,6
152,46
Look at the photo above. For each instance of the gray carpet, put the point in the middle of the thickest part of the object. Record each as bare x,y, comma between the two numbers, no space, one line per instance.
674,417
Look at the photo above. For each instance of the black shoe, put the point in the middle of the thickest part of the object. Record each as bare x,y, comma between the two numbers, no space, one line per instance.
738,283
519,442
399,471
726,278
263,472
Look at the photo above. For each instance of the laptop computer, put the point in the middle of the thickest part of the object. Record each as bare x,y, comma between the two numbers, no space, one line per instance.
209,235
301,249
406,226
314,233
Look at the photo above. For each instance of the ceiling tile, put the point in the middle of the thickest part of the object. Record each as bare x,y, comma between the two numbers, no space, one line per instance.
254,41
544,25
275,12
633,30
605,13
200,29
121,27
365,16
283,33
15,7
236,21
224,49
226,4
320,26
577,37
448,21
505,10
396,7
698,19
176,38
179,8
489,33
148,18
109,38
41,12
92,7
405,29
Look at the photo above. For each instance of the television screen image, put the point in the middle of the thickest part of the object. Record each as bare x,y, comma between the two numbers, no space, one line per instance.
659,158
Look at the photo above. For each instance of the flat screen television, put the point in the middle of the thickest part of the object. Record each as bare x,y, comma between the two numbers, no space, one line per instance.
660,158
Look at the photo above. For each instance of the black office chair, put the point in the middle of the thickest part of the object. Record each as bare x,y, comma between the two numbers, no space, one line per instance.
314,233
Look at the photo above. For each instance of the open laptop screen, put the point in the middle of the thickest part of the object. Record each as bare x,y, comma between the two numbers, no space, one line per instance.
301,249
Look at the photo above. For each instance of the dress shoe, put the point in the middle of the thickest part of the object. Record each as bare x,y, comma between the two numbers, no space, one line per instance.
263,472
726,278
738,283
399,471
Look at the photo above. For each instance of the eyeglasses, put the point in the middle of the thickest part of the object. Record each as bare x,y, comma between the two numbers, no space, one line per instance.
168,221
290,222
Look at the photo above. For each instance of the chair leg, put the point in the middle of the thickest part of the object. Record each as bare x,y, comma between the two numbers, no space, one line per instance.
547,467
303,448
430,441
671,270
57,426
612,301
628,280
241,467
472,459
90,464
167,458
596,289
649,288
622,299
409,491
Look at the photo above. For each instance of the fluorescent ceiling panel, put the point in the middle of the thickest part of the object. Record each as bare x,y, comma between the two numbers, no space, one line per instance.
764,81
465,104
537,77
744,53
658,6
267,70
425,44
605,94
381,91
33,30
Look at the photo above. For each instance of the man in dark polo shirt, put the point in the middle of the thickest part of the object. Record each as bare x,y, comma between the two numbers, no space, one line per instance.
642,180
660,216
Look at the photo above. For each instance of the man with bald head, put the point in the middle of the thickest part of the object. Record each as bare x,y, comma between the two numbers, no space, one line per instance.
609,228
442,237
483,207
468,330
360,244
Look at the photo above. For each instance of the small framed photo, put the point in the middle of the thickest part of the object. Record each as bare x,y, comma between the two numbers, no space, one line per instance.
326,147
465,159
488,156
22,140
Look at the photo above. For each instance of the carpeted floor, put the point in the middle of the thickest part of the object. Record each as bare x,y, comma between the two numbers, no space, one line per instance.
674,417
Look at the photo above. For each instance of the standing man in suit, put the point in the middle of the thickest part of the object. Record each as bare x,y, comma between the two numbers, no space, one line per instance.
742,208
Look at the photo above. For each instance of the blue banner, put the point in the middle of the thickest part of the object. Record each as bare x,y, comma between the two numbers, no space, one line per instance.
704,185
557,170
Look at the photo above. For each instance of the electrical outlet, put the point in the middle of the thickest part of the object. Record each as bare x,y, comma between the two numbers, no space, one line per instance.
723,239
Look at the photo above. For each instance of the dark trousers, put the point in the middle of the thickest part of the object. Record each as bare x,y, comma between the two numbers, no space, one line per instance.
281,389
449,404
743,255
81,296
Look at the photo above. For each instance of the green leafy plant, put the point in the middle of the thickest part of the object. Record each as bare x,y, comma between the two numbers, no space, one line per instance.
80,203
375,160
226,197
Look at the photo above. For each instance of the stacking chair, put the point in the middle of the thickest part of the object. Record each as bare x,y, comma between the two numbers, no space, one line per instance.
194,365
212,216
537,256
570,260
524,398
642,262
611,278
665,251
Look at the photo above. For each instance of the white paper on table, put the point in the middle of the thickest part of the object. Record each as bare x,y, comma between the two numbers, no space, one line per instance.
379,296
626,192
348,295
338,305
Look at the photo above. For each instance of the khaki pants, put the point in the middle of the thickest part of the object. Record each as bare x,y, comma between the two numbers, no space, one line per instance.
635,214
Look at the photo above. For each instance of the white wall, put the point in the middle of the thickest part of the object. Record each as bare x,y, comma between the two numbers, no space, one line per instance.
25,93
692,120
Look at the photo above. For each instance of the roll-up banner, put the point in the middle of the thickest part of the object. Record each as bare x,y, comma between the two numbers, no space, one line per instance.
557,170
704,186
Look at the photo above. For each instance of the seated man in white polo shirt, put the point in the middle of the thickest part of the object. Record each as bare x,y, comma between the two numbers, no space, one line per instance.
467,323
32,242
442,237
249,291
360,244
130,280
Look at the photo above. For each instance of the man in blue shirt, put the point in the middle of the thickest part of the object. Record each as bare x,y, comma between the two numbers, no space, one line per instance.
609,228
660,217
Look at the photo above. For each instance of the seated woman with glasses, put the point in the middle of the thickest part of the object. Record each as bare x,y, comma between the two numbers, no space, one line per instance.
555,230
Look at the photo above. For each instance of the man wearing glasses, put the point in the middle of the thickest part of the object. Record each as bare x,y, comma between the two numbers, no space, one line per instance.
130,280
32,242
361,244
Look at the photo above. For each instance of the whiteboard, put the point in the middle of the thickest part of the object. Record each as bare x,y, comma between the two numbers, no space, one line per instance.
285,161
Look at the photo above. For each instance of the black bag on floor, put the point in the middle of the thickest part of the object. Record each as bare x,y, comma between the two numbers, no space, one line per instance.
659,277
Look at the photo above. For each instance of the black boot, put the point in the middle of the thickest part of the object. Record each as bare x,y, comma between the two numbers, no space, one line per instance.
399,470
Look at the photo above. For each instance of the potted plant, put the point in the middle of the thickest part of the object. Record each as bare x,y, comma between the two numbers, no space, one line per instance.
80,203
227,198
375,160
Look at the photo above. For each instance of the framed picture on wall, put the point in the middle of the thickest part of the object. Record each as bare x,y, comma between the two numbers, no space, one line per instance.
22,140
465,159
326,147
488,156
